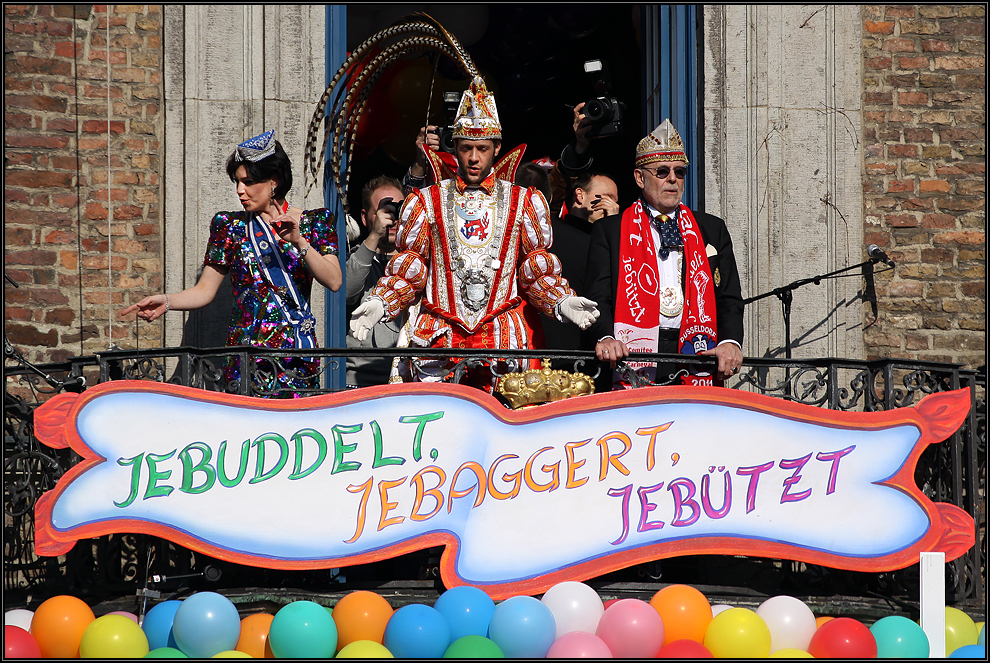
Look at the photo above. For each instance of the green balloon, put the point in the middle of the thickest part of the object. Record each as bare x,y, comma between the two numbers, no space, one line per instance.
165,652
473,646
899,637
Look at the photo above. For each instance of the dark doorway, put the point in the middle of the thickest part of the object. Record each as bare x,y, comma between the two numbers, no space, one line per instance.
531,57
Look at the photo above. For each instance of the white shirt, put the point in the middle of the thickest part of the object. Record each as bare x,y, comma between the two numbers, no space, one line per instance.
668,271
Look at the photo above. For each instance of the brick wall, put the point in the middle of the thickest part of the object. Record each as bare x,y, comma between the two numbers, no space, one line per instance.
72,267
924,180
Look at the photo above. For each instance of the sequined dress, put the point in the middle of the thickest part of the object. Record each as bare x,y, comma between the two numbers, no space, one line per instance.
255,316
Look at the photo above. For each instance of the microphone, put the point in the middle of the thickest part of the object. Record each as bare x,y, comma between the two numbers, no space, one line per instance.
877,254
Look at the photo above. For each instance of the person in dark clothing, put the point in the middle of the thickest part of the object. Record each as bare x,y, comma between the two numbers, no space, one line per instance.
664,276
365,265
592,197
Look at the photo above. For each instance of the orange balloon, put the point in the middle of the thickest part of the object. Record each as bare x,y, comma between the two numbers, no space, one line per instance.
685,612
254,634
58,626
821,620
361,615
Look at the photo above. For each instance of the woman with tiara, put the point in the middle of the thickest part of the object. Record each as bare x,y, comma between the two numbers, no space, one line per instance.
272,251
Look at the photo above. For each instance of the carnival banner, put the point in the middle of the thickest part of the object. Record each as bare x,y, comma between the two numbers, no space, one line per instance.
522,499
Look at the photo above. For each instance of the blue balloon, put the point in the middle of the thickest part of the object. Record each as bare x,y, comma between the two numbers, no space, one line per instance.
982,640
468,611
970,651
417,631
523,627
303,629
205,624
899,637
158,625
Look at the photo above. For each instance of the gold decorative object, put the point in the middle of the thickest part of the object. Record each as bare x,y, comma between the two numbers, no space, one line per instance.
538,386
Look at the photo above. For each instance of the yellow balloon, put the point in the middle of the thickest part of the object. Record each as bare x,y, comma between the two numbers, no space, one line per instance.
113,636
364,649
790,653
738,633
959,630
232,653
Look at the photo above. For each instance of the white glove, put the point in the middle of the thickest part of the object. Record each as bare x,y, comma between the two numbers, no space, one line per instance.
366,316
582,312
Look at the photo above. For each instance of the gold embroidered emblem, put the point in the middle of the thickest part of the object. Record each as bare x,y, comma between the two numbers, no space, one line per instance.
717,277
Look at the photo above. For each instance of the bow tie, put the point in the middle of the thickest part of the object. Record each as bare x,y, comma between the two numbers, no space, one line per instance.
670,235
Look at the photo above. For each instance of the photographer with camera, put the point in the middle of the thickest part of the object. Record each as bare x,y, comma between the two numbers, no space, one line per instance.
381,199
419,176
598,117
436,138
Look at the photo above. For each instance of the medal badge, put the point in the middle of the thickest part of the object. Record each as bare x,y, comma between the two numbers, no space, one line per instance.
671,301
717,277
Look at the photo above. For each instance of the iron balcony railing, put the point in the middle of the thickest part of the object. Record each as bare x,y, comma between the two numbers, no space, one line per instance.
953,472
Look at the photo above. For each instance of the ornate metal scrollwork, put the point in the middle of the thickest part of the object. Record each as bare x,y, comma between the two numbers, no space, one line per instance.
954,472
145,368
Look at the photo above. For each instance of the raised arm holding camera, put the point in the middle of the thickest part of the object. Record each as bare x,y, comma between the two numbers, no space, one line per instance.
601,116
381,198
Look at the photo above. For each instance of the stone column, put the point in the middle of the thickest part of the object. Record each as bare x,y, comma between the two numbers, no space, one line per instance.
231,72
783,158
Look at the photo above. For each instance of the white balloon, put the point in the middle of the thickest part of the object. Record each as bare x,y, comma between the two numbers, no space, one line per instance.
574,606
719,607
20,618
792,623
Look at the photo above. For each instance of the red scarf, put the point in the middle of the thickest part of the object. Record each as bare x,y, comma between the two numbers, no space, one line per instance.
637,303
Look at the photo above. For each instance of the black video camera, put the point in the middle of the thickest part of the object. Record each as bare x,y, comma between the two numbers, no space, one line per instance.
604,112
451,100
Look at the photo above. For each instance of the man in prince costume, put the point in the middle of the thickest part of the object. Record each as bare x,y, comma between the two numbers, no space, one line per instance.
473,250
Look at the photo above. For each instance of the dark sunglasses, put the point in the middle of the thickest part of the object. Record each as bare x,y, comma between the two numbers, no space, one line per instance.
662,172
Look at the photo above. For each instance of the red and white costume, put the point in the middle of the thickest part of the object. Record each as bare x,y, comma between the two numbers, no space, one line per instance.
476,255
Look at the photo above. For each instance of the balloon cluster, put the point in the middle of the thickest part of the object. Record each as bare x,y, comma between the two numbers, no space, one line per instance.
570,621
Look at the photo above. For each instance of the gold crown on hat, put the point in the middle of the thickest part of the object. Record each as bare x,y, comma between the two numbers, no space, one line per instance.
477,116
663,144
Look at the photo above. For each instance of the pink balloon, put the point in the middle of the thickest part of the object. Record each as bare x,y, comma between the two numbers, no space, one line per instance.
123,613
608,604
579,644
632,629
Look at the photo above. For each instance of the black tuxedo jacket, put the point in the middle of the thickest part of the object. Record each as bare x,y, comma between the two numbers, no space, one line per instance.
603,275
571,236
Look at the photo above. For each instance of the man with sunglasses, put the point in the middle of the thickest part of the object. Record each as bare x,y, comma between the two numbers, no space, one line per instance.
665,277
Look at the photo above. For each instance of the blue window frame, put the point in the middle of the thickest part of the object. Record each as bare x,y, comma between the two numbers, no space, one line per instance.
335,323
671,71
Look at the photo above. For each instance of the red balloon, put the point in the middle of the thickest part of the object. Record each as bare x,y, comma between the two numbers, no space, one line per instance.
18,643
843,638
684,649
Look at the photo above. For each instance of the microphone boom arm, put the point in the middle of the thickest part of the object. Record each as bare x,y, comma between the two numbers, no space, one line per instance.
786,294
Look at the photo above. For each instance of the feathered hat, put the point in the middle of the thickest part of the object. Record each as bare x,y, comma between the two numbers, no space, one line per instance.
477,116
663,144
347,94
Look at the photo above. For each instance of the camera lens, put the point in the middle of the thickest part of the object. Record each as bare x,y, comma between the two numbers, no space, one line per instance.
447,141
596,109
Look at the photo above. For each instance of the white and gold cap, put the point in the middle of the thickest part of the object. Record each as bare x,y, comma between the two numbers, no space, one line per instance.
477,116
663,144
